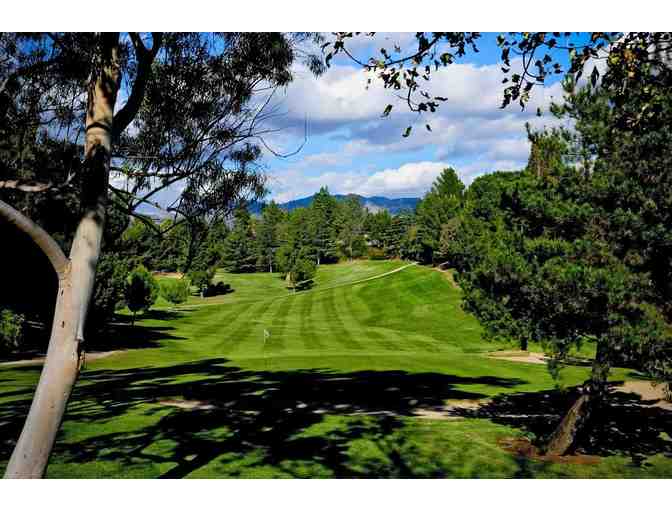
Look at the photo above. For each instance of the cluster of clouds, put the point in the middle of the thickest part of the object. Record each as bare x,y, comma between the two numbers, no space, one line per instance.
410,179
344,116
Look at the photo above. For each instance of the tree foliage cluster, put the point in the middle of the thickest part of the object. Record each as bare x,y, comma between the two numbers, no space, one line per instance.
11,331
576,248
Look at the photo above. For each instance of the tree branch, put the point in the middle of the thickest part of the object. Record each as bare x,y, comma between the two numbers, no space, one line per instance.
145,59
42,239
26,186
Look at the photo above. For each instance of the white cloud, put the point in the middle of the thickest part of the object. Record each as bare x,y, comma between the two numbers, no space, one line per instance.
341,95
409,180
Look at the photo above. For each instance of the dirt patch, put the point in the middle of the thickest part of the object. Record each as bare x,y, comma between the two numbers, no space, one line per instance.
651,395
168,274
451,409
522,447
537,358
430,414
89,356
200,405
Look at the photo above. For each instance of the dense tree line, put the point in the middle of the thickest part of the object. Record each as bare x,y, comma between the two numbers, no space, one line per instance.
327,231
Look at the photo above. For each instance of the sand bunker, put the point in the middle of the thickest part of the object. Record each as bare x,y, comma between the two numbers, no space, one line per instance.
650,395
538,358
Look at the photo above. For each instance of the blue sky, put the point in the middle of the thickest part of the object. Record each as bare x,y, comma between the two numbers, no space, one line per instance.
351,149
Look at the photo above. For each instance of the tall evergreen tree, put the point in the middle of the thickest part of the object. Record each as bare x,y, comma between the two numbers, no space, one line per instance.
350,221
395,235
377,228
238,253
322,226
296,253
210,253
441,204
268,235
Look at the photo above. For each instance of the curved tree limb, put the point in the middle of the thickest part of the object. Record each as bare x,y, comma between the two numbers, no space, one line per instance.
145,59
46,243
26,186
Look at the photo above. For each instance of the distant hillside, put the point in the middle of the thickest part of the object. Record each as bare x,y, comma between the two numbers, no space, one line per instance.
373,204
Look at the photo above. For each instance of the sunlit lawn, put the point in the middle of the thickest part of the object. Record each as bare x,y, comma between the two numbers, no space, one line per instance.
337,381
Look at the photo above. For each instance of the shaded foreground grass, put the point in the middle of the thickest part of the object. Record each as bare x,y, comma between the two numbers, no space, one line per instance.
334,389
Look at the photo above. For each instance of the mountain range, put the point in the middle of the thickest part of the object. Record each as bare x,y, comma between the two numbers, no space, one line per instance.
373,204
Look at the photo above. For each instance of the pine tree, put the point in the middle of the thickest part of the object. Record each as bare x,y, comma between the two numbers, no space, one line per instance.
322,226
395,234
350,221
377,228
268,236
239,253
441,204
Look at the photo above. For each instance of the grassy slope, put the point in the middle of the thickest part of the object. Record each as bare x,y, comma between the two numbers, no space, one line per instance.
331,390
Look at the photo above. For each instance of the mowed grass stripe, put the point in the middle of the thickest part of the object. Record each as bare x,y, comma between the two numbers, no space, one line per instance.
335,323
220,321
409,301
244,327
279,315
309,336
361,314
349,322
388,311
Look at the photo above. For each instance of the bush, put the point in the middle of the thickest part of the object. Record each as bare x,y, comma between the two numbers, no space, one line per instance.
202,279
110,288
141,290
175,291
217,289
301,274
11,331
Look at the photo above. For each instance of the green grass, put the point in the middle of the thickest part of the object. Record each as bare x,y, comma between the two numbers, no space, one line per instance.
332,390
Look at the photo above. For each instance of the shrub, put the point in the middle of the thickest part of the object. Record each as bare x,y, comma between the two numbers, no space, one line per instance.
202,279
217,289
11,331
141,290
110,288
175,291
301,274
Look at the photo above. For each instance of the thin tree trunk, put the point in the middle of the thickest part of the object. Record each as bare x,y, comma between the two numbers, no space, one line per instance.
61,367
593,392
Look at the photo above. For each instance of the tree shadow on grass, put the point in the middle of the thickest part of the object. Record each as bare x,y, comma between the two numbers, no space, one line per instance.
261,417
117,335
121,336
624,425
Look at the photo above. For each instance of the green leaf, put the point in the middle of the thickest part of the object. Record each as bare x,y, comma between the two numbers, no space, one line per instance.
387,110
407,132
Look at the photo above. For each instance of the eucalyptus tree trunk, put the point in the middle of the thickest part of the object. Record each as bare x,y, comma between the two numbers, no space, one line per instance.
592,395
76,274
